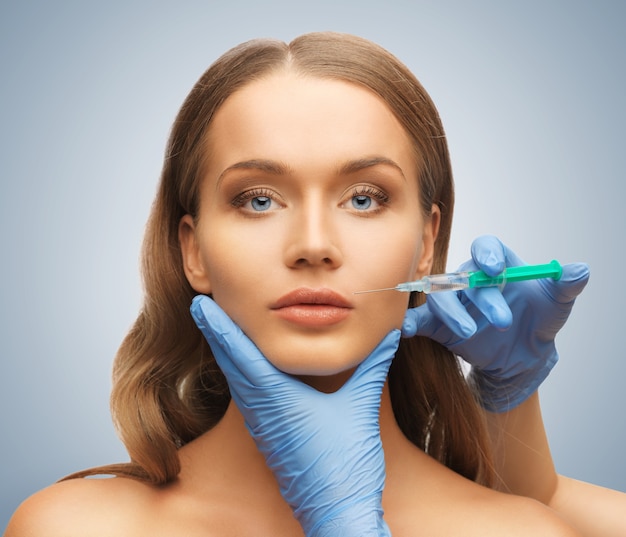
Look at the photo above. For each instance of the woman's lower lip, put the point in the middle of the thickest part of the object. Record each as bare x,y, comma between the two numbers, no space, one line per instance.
313,314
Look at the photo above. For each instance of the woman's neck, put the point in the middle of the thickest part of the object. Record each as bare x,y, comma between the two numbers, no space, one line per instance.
230,447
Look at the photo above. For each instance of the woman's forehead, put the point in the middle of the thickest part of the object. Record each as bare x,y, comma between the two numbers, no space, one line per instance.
289,117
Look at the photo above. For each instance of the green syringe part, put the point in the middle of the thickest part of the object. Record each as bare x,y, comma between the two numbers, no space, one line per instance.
457,281
517,274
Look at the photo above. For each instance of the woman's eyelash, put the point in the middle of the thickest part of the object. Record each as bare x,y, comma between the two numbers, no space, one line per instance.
240,199
367,190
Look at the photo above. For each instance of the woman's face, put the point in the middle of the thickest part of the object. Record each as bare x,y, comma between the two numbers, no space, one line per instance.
309,194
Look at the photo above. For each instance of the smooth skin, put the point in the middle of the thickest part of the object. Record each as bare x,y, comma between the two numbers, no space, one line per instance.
225,487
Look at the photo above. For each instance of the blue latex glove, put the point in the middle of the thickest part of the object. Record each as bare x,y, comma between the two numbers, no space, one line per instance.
324,449
507,336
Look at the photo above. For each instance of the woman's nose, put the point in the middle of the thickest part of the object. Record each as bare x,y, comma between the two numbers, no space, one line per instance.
312,240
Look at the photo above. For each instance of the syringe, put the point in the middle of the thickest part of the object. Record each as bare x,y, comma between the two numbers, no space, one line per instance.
457,281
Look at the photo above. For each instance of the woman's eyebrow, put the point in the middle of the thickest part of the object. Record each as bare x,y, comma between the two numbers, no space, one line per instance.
357,165
267,166
274,167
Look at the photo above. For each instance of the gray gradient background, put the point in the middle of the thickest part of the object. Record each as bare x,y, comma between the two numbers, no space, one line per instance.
532,97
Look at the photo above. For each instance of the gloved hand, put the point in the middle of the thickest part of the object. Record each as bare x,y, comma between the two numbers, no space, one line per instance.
506,335
324,449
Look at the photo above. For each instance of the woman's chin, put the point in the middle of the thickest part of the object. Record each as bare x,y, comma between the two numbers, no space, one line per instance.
324,361
327,383
326,377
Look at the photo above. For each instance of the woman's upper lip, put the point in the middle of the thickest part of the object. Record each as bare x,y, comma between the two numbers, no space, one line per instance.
304,296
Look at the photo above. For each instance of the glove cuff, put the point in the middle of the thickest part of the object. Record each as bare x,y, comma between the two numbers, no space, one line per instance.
497,394
352,524
362,517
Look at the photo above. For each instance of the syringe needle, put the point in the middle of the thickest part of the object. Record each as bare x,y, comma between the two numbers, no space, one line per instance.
375,290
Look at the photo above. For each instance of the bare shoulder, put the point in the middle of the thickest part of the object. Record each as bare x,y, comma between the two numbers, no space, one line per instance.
482,512
514,515
85,507
594,509
447,504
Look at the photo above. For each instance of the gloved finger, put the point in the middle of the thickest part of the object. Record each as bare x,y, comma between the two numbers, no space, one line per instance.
419,321
492,256
572,282
489,255
449,310
492,304
375,367
238,357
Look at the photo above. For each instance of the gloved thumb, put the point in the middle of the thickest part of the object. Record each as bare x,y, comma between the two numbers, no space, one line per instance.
571,283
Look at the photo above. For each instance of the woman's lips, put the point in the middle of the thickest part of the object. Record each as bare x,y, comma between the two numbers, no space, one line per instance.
312,307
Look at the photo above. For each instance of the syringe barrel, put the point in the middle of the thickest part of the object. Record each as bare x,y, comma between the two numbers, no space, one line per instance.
452,281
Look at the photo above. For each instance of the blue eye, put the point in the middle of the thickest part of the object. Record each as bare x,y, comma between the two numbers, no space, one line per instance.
361,202
261,203
368,199
257,200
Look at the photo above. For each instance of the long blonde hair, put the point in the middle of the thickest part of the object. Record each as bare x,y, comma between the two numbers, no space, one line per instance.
167,387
